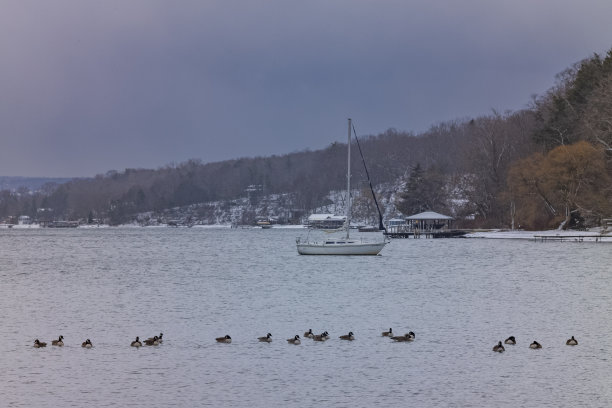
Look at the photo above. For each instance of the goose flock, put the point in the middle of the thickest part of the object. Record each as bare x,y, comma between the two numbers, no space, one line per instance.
499,347
151,341
227,339
410,336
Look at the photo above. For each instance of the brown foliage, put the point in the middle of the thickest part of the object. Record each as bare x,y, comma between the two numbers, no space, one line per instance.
570,180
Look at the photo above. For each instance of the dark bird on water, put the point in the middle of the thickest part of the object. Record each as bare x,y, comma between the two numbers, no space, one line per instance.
266,339
348,336
39,344
295,340
535,345
499,348
224,339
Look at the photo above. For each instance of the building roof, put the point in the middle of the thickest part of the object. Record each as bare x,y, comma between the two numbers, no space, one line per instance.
429,215
323,217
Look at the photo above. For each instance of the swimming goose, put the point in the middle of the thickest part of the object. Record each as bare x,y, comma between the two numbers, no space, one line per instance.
499,348
159,338
39,344
59,342
136,343
388,333
535,345
309,334
572,342
152,342
510,340
87,344
295,340
224,339
266,339
406,337
321,337
349,336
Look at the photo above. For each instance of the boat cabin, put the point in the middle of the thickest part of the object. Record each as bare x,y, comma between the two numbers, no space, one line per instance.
396,222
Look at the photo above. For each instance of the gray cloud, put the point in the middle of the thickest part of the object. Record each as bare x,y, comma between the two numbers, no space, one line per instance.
91,86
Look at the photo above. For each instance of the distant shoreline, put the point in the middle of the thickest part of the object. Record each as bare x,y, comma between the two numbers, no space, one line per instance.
567,235
589,235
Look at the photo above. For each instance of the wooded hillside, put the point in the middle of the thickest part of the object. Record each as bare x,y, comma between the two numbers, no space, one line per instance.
537,168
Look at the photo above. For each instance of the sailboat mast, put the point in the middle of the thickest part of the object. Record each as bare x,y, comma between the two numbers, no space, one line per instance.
348,182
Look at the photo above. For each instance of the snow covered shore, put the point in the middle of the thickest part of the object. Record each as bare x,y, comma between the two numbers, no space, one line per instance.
589,235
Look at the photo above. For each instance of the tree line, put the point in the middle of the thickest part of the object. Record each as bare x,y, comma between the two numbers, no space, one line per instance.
541,167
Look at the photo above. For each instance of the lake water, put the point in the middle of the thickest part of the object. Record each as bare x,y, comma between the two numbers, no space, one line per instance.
460,297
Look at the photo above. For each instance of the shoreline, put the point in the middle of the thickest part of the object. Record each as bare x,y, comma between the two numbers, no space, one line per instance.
591,235
599,233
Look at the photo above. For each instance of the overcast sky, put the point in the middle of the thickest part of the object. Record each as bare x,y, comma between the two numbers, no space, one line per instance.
90,86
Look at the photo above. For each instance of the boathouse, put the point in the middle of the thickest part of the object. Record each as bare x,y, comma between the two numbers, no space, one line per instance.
430,221
428,224
326,221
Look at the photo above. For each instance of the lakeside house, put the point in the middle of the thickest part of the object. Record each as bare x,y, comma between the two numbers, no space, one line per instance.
326,221
425,221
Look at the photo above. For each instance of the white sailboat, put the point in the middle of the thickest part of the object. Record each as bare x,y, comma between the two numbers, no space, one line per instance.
346,245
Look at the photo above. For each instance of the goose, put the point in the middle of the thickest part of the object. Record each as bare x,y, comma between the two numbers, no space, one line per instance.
136,343
159,338
39,344
406,337
266,339
87,344
499,348
572,342
309,334
388,333
535,345
59,342
224,339
510,340
295,340
321,337
348,336
152,342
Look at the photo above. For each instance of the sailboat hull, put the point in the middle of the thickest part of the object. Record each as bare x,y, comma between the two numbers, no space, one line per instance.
350,248
344,246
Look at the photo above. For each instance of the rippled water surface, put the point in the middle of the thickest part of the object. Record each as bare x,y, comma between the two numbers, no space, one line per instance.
460,296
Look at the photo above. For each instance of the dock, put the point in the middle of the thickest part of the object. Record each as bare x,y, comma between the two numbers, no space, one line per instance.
415,234
570,238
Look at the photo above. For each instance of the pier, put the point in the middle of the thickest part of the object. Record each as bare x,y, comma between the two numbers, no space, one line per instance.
415,234
571,238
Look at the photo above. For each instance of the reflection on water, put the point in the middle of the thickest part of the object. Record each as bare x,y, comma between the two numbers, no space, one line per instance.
459,296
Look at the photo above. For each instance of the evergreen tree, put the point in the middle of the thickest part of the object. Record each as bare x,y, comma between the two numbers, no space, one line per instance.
425,190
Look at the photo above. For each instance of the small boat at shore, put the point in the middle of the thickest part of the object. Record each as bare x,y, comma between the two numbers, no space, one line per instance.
264,224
